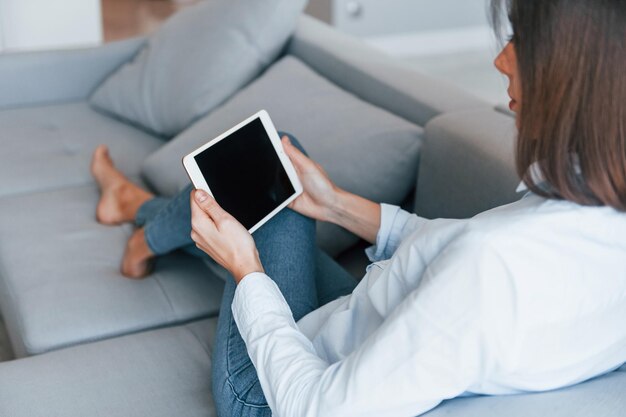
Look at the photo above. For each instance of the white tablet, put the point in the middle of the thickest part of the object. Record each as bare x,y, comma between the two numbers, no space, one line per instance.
247,171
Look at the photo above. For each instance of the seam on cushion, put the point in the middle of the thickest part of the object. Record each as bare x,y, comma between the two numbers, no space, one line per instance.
16,317
44,103
204,347
166,296
47,190
124,333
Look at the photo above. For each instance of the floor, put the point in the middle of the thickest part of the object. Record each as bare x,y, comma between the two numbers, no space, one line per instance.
471,70
127,18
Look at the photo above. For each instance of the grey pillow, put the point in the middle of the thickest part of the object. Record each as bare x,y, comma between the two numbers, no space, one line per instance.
364,149
198,59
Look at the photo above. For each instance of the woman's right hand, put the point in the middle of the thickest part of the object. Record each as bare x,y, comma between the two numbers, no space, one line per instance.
320,195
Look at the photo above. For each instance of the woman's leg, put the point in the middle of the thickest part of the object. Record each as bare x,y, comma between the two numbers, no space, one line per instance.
287,249
120,199
170,227
164,226
120,202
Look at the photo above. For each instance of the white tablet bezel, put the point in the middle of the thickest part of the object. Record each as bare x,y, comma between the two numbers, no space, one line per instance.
193,170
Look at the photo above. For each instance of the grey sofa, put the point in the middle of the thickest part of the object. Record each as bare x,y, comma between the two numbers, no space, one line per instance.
90,342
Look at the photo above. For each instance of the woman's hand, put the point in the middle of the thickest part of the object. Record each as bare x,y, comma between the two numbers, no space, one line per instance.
323,200
320,195
222,237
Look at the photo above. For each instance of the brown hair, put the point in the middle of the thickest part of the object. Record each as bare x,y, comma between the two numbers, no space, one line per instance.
571,56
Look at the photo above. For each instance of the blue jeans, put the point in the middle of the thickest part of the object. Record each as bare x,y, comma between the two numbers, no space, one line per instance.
307,277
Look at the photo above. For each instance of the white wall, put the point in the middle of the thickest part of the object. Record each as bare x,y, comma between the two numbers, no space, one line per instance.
411,27
44,24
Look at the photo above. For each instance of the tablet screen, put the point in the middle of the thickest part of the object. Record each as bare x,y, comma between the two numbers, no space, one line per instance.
245,174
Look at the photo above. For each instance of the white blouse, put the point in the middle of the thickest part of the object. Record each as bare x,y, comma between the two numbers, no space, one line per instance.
526,297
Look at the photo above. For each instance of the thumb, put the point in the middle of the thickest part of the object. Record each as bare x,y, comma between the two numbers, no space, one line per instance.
297,157
209,205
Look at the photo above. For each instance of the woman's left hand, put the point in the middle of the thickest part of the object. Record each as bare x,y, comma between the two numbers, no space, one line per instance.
222,237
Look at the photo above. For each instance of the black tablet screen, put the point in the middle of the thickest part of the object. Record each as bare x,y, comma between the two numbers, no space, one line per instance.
245,174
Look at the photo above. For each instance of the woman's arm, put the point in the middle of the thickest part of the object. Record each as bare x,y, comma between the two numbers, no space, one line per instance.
431,346
356,214
428,349
323,200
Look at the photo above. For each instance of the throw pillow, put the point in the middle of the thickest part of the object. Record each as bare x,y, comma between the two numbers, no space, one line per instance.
199,58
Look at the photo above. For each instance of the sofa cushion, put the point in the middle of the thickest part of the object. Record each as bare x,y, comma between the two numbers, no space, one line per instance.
467,164
50,147
603,396
383,80
60,282
197,60
364,149
160,373
167,373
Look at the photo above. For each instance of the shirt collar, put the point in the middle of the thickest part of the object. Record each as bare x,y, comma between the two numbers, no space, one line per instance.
534,172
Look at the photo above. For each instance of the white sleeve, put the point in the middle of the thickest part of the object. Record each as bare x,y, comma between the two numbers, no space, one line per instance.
395,225
432,347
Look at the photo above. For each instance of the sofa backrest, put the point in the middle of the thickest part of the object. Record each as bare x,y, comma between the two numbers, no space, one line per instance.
467,164
376,77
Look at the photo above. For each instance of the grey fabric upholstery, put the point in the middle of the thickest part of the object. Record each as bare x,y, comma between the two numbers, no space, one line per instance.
364,149
198,59
167,373
374,76
38,78
600,397
161,373
60,282
467,165
50,146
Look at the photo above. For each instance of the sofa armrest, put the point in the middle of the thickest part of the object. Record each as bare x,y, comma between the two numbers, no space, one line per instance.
374,76
35,78
467,164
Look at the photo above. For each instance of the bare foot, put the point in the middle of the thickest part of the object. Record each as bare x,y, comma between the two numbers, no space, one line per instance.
120,199
138,258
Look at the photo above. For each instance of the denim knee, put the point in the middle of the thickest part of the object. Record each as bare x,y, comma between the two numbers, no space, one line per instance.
236,387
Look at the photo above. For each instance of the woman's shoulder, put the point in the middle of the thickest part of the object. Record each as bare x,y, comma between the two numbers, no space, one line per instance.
530,231
536,218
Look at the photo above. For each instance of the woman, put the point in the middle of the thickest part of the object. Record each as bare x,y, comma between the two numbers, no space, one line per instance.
526,297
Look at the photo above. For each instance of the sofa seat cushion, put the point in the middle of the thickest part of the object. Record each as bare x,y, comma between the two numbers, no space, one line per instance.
60,282
364,149
50,147
161,373
167,372
602,397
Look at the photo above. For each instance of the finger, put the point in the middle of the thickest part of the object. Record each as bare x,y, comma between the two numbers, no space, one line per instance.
195,237
197,213
208,204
